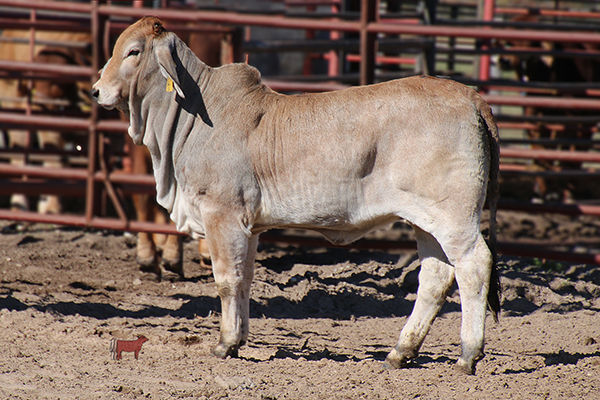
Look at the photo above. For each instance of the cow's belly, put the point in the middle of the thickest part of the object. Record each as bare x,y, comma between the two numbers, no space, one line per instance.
341,215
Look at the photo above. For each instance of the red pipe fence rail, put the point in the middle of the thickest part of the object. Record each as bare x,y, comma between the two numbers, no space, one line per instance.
102,20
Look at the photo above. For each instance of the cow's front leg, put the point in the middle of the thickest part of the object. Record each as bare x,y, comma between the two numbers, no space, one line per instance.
233,255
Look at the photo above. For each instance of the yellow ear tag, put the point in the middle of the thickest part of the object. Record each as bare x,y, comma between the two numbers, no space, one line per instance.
169,85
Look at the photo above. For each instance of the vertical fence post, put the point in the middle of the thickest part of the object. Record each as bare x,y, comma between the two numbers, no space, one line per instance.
430,14
333,64
486,11
90,191
368,13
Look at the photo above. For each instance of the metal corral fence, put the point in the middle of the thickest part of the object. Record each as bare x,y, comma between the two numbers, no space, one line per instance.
356,42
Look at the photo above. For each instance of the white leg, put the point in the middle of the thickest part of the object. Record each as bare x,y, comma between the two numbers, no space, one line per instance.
473,271
246,286
233,256
435,279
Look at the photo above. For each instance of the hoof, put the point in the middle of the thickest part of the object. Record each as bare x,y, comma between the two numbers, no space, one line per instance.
173,264
150,268
205,263
463,367
398,359
150,277
467,366
172,269
171,276
223,351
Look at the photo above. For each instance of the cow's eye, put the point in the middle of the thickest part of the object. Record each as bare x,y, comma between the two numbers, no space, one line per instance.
133,52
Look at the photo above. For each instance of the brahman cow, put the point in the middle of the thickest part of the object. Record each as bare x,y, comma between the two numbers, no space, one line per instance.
233,158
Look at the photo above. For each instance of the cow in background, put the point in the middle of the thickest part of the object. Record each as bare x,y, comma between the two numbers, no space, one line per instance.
73,95
556,69
216,47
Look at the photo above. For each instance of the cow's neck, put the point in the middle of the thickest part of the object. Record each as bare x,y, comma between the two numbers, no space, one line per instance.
162,121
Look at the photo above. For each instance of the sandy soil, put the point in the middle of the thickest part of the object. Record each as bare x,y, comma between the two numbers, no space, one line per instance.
322,323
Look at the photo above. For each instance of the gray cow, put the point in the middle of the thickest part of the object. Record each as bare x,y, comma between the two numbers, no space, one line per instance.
233,158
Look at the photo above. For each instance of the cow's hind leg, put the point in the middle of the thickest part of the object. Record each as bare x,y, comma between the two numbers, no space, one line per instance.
473,270
233,255
435,279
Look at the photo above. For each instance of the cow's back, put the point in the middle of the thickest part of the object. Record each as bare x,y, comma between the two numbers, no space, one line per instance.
346,159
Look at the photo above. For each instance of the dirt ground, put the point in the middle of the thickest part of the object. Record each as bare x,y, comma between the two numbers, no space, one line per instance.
322,323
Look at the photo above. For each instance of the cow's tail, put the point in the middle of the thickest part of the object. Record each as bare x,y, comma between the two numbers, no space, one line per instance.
492,197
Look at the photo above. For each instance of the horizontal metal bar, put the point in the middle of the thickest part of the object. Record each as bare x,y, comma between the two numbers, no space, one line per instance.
43,121
566,209
35,187
74,72
66,26
112,126
276,21
484,33
544,102
49,5
548,12
316,24
315,45
96,222
538,154
74,174
533,251
62,122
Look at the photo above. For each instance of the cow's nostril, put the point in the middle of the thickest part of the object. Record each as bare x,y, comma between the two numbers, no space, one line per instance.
95,93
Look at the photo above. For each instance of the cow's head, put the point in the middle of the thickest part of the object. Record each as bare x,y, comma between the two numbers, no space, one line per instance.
141,49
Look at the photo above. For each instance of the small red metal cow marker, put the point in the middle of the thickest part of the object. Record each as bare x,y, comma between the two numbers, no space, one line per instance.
118,346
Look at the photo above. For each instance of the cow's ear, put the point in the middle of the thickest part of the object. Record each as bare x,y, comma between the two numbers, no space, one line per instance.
167,66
